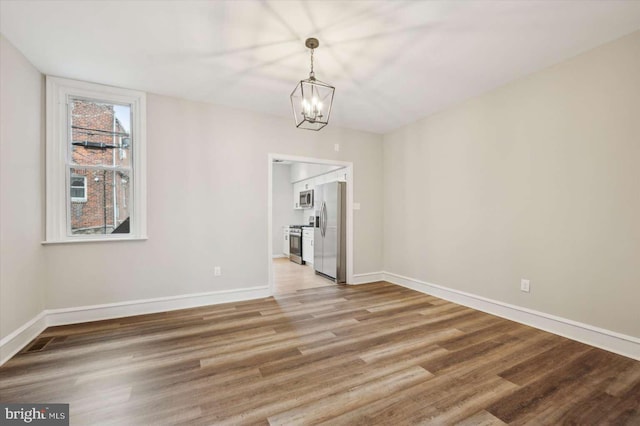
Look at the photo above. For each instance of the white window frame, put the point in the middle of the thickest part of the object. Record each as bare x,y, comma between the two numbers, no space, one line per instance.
84,185
58,154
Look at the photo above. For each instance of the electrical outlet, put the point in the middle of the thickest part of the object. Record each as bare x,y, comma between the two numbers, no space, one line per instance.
217,271
336,147
524,285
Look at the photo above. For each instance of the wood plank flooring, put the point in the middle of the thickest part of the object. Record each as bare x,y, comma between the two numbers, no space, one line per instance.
289,277
369,354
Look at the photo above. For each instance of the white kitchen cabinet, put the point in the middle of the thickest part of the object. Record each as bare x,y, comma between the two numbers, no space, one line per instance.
285,240
331,177
307,245
337,176
320,180
302,171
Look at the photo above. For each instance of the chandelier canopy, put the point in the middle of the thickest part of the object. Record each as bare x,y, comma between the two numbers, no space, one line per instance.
312,99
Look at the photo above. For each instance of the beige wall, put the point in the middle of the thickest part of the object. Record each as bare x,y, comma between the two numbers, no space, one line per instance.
539,179
21,190
207,195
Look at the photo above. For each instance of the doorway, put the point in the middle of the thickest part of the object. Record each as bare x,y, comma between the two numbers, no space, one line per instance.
291,180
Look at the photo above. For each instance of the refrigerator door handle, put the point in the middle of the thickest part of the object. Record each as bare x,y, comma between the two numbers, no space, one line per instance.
324,221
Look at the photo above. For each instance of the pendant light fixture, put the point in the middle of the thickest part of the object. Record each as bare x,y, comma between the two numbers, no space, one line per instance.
311,100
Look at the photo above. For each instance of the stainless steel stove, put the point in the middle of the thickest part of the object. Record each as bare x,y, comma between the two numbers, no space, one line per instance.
295,244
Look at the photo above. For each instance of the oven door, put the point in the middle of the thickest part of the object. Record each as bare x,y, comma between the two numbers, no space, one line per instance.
295,246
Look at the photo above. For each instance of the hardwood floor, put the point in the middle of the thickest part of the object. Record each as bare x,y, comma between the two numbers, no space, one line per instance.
289,277
369,354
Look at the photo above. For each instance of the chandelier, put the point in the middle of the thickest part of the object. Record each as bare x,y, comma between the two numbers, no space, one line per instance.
311,100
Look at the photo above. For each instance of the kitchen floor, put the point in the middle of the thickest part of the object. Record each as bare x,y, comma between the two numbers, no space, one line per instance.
289,277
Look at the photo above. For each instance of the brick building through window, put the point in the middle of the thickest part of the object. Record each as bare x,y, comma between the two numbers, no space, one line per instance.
99,192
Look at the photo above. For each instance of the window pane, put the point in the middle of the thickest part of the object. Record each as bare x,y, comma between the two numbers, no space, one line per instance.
107,206
77,192
77,181
100,133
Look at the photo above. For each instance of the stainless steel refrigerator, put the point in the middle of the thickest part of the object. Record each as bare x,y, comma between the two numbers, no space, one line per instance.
329,238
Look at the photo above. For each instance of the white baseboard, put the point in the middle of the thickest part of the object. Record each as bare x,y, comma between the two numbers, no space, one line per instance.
609,340
279,256
151,306
16,341
369,277
612,341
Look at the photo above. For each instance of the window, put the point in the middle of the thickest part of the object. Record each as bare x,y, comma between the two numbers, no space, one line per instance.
78,189
96,183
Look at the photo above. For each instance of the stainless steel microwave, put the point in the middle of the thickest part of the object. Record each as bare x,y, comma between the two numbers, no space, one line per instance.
306,199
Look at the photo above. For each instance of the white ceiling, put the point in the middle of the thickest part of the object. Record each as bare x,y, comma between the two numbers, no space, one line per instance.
392,62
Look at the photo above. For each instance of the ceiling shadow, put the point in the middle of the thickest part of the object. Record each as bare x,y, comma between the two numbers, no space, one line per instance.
249,48
233,80
387,9
307,10
271,11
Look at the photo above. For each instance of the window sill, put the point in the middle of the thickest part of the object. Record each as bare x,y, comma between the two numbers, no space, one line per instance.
94,240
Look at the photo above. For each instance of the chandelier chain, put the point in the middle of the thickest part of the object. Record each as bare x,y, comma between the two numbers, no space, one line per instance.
312,74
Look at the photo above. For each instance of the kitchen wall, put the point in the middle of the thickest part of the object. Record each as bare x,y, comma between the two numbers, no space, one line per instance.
22,273
302,171
538,179
283,212
207,204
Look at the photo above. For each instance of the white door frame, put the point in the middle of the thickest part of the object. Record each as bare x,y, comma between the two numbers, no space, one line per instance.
349,168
